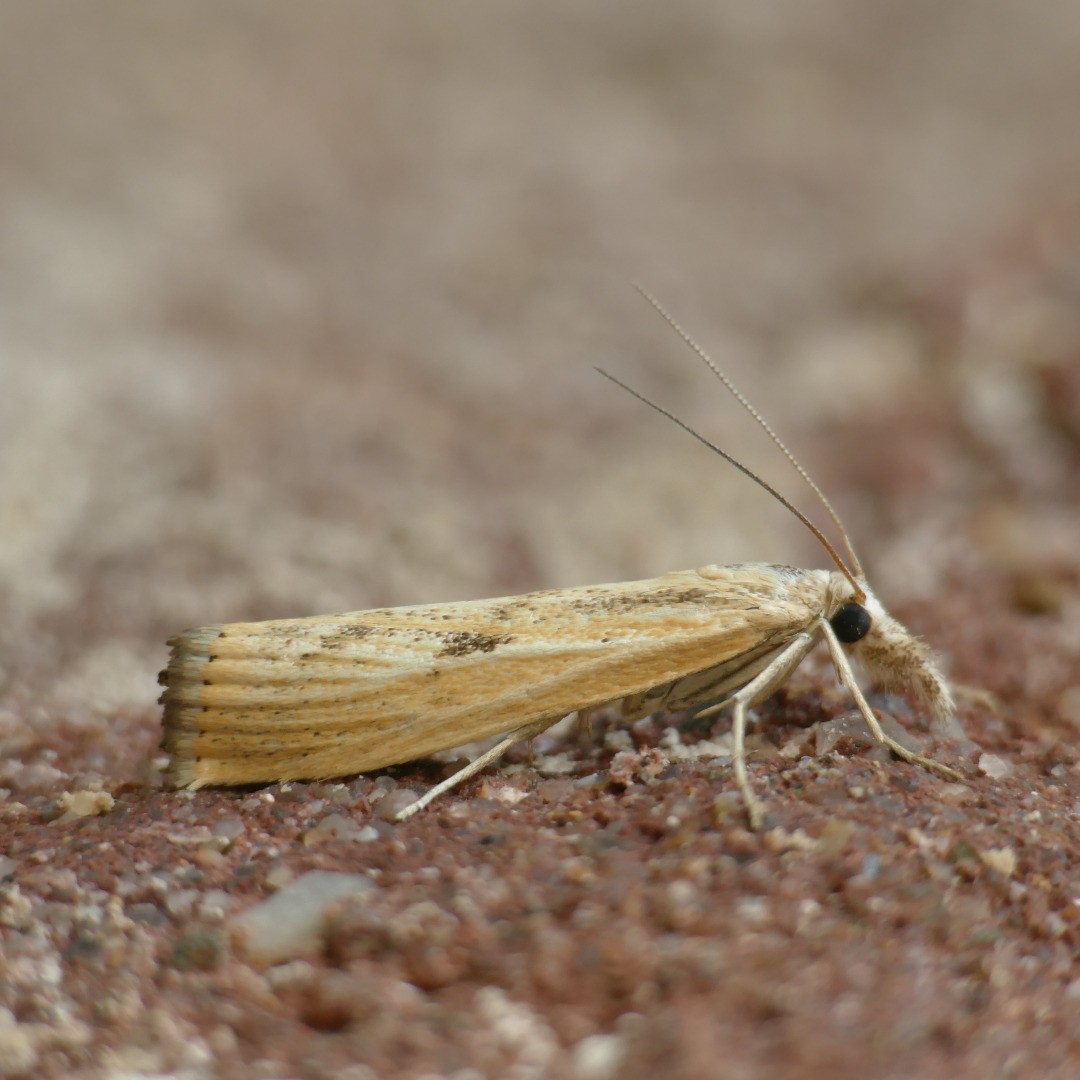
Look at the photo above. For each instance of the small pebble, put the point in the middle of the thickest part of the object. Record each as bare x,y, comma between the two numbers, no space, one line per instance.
993,766
289,925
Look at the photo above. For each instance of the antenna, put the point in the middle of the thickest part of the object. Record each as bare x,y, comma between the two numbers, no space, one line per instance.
849,550
753,476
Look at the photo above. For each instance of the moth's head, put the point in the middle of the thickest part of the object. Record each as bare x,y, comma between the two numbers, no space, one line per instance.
891,655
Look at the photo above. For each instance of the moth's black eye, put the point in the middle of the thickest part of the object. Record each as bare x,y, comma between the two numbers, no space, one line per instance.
850,623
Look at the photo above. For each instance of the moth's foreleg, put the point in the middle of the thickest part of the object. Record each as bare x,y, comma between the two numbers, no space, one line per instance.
530,731
758,688
584,720
847,677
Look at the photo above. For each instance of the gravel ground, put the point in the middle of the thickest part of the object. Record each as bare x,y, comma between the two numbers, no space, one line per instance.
298,312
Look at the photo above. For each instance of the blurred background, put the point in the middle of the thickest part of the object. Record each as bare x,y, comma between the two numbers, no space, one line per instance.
299,305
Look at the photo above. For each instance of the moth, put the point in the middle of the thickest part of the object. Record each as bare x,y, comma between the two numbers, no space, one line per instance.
336,695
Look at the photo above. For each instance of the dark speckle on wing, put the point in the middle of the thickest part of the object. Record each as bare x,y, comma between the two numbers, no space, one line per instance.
462,642
615,603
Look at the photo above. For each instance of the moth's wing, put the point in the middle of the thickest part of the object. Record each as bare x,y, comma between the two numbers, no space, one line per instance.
333,696
775,602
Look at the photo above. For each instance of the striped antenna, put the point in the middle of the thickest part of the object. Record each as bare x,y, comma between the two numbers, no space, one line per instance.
822,539
849,550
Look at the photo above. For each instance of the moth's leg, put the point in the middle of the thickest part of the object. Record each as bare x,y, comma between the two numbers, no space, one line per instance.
977,696
758,688
530,731
847,677
950,728
647,703
584,720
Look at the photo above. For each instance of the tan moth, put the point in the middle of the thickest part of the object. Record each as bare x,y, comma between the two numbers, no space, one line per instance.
335,695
